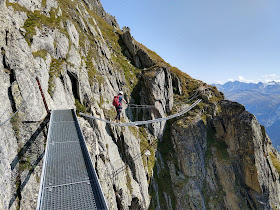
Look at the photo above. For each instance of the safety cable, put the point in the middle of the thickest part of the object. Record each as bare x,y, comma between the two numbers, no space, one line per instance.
147,121
134,106
23,104
119,170
20,92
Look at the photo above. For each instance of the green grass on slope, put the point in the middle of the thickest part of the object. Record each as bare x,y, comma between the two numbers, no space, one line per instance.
55,71
40,53
36,19
275,162
112,37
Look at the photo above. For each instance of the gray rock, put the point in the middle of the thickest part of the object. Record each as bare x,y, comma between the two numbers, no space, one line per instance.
231,169
249,147
49,5
176,83
29,4
61,45
96,4
73,33
74,57
157,90
139,56
8,142
59,13
43,40
61,98
92,29
83,25
19,18
145,59
205,98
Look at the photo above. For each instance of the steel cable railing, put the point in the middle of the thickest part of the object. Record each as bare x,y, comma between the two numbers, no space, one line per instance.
136,157
20,92
144,122
197,93
141,106
23,104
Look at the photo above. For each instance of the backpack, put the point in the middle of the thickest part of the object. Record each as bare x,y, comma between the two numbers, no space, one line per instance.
116,101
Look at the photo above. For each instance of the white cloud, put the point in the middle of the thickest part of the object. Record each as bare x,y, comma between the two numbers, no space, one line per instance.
266,78
219,82
270,77
242,79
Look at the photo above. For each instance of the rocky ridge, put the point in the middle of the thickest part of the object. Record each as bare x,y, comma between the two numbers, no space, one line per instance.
261,99
216,156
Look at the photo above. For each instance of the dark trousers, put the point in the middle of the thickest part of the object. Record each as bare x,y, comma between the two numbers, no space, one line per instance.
119,110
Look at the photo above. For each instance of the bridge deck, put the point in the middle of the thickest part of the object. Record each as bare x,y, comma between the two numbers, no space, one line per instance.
68,178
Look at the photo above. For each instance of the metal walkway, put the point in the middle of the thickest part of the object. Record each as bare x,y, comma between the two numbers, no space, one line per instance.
68,179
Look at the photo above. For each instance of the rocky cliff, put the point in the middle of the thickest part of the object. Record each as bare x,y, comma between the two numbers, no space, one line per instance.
261,99
216,156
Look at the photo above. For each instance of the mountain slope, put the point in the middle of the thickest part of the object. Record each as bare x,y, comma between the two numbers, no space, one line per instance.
216,156
263,100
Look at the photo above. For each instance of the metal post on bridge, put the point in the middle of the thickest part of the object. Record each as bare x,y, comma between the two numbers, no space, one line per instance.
43,96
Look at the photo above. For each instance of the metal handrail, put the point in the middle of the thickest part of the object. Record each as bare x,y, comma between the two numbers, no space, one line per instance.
147,121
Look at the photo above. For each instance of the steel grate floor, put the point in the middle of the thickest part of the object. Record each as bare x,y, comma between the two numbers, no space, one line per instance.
69,180
76,196
64,132
73,168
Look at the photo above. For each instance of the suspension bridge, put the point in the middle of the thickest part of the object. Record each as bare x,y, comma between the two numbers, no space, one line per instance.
146,121
68,179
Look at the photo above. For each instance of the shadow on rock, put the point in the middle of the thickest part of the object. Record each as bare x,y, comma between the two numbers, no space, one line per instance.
28,144
21,166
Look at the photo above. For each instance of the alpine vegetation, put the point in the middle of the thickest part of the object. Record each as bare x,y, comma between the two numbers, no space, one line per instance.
57,55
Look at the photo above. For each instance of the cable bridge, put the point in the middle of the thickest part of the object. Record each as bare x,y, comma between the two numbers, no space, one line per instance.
68,179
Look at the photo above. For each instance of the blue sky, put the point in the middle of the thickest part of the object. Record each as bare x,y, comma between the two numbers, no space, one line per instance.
217,40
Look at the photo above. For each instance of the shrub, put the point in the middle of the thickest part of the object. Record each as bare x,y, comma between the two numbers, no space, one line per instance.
55,71
80,107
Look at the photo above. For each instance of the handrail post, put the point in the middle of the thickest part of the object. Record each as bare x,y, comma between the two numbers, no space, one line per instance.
43,96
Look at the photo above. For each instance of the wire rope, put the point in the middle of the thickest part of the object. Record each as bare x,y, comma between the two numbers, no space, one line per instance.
144,122
13,97
25,102
119,170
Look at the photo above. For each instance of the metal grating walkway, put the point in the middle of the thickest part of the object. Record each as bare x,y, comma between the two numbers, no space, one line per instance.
68,178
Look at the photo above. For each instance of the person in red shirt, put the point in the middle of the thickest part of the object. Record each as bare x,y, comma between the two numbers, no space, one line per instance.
119,107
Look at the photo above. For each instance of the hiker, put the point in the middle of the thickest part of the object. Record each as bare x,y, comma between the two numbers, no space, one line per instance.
117,102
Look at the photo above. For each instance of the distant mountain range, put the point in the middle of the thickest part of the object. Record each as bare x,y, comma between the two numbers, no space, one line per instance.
261,99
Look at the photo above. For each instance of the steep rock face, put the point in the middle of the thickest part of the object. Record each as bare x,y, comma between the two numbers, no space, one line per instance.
155,88
190,145
114,151
80,60
249,148
22,137
97,6
177,84
138,55
227,163
260,99
71,74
